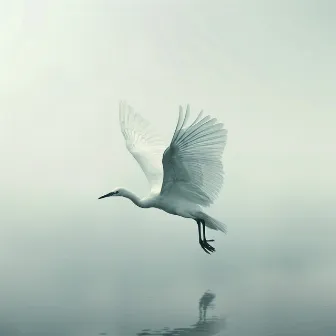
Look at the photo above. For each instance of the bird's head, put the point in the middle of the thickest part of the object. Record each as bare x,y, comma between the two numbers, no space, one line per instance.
115,192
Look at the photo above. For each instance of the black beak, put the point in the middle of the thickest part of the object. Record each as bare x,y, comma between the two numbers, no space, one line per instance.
107,195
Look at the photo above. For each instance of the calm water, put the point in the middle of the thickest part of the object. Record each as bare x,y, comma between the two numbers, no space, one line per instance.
263,280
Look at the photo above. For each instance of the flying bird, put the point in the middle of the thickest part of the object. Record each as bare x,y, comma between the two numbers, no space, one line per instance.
184,177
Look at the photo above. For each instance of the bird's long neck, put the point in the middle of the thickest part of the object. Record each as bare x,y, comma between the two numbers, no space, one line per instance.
135,199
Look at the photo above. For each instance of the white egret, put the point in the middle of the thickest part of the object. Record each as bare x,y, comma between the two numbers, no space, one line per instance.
185,176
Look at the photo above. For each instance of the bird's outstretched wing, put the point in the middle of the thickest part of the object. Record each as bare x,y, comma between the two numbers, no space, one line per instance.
192,163
146,146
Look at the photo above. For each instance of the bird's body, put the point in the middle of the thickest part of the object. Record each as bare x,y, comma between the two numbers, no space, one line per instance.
179,207
184,177
176,206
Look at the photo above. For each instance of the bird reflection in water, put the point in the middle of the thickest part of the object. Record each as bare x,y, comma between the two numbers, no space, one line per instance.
203,327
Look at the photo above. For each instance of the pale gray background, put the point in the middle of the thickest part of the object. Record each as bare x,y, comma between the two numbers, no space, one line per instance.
264,68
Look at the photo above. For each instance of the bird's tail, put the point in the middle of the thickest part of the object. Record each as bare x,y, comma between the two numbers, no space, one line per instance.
211,223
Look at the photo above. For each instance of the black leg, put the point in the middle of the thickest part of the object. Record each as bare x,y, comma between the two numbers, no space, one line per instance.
211,240
199,232
200,240
205,241
205,246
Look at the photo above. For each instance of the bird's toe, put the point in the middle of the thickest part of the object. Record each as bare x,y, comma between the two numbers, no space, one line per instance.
206,247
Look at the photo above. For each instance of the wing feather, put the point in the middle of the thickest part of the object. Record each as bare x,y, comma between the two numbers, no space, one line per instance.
143,143
192,163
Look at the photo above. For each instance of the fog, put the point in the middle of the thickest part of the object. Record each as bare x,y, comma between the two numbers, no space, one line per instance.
71,264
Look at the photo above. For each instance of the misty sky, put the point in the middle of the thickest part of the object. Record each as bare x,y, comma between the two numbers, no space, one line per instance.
264,68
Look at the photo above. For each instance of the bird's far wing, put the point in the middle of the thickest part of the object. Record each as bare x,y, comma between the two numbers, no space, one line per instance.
192,163
146,146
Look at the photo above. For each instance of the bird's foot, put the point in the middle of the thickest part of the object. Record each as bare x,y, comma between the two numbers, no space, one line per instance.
207,247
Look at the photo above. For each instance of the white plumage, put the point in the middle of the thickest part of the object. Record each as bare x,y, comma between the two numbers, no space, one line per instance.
146,146
185,176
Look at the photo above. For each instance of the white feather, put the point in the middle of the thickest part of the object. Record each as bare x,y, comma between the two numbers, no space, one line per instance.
144,144
192,163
